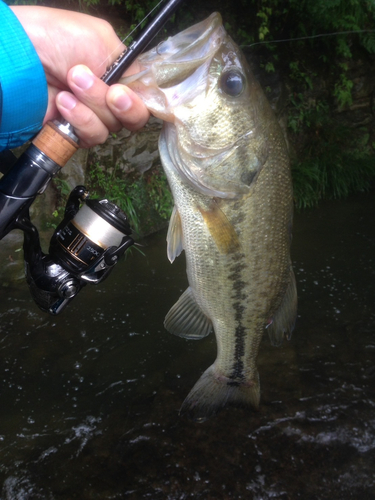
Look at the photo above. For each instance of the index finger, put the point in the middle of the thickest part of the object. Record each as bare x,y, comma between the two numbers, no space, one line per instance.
91,91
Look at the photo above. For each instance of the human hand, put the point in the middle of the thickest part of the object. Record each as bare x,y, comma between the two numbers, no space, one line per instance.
68,44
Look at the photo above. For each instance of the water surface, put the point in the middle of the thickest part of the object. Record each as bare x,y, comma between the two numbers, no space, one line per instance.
89,400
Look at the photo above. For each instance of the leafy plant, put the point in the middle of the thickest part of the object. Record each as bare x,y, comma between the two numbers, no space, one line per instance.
111,185
317,41
343,91
330,168
63,190
142,198
160,195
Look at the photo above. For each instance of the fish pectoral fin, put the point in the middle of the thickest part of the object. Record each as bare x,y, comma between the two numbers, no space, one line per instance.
175,243
284,320
186,319
220,228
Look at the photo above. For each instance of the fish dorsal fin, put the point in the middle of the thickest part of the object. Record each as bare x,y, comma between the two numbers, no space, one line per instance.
175,243
220,228
186,319
283,321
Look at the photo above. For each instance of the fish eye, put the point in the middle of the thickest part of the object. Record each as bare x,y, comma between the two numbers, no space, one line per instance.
232,82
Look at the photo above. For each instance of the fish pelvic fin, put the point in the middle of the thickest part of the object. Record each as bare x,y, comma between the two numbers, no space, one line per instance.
212,393
284,320
221,230
186,319
175,243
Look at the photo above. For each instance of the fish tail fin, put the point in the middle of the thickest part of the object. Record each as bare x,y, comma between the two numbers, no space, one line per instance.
212,392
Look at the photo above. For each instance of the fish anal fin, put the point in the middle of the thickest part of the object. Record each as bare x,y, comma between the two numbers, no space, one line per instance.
284,319
175,243
212,393
221,230
186,319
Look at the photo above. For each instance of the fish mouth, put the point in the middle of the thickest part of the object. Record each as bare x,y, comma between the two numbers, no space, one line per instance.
176,77
174,60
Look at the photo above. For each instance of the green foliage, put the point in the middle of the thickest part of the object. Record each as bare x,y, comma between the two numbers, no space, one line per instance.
110,184
320,39
331,174
142,199
138,9
21,2
334,165
343,91
306,113
160,195
63,190
302,77
264,13
306,23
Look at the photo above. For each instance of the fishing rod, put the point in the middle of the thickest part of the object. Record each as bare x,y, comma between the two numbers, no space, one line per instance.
94,233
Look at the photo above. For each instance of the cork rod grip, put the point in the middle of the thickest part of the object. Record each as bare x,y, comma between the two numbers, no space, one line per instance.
54,144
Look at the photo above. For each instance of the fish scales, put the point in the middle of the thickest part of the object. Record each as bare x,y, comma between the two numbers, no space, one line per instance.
227,164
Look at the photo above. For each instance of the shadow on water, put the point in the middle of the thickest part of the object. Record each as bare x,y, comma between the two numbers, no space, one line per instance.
89,400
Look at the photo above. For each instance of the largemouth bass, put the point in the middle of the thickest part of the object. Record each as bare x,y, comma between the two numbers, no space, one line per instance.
226,161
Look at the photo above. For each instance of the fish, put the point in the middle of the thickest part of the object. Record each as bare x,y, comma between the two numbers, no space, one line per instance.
227,164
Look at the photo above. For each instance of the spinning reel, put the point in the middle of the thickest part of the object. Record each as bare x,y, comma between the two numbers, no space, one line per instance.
84,248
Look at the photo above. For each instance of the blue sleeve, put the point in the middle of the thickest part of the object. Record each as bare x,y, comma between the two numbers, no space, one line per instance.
23,85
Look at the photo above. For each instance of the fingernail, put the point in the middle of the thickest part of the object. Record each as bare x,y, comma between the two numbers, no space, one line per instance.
83,77
67,100
121,100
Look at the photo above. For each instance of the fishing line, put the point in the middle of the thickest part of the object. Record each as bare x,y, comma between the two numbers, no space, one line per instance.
335,33
132,31
310,37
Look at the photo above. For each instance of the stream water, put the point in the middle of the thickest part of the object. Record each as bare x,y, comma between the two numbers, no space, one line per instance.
89,400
